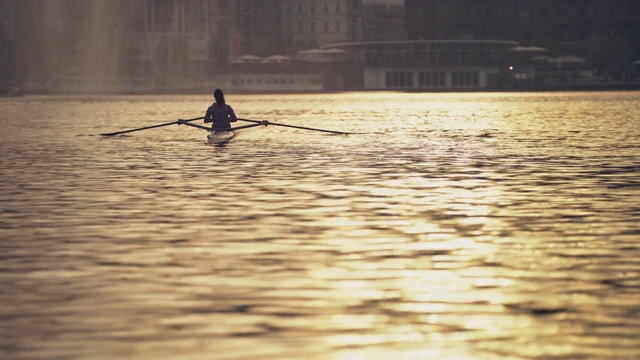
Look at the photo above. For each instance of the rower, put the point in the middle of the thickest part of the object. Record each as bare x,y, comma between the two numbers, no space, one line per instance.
220,113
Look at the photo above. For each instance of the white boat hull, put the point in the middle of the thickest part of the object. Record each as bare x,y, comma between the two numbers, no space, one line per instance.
220,136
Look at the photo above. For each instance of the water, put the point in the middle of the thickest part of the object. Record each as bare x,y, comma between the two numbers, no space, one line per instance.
451,226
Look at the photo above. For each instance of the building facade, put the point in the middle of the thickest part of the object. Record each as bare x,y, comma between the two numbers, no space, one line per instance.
160,42
180,39
421,65
311,24
79,45
138,45
606,33
383,20
269,27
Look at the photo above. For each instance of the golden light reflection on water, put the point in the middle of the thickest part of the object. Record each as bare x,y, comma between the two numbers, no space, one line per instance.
452,226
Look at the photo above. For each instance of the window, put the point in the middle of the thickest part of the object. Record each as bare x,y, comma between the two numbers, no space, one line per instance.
165,24
398,79
325,27
312,8
300,8
287,8
544,12
165,7
432,79
196,25
300,27
338,7
325,8
465,79
338,26
312,27
599,10
195,8
524,10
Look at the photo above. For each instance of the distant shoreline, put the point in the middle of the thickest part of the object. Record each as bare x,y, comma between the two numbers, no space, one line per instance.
618,86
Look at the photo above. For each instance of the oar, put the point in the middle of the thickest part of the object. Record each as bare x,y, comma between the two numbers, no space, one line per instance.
182,122
265,122
151,127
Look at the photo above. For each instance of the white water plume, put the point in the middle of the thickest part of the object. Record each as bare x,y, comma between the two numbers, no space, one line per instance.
68,38
100,39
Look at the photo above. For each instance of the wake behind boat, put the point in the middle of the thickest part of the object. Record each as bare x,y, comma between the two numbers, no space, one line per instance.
220,136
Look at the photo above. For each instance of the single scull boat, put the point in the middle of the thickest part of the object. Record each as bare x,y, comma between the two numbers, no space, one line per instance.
220,136
217,136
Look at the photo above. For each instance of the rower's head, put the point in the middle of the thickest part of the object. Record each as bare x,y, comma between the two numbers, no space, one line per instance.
219,96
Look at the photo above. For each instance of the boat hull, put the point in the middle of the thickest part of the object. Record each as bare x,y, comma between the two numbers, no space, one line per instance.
220,136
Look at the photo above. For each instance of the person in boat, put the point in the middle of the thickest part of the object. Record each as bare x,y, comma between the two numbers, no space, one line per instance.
219,113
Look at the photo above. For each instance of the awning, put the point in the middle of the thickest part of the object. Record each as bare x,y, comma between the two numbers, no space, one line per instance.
311,51
528,49
246,59
276,59
567,59
541,58
334,51
312,55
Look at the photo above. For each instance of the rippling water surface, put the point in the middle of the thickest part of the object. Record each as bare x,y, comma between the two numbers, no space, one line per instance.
450,226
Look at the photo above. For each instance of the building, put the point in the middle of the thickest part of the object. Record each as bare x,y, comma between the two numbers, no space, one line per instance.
441,65
149,45
383,20
169,40
11,27
268,27
306,26
47,39
116,45
258,28
606,33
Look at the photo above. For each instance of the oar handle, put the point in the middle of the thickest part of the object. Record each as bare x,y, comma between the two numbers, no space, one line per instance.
248,126
182,122
255,121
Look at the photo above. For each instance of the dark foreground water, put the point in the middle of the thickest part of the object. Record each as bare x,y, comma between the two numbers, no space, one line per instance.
452,226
